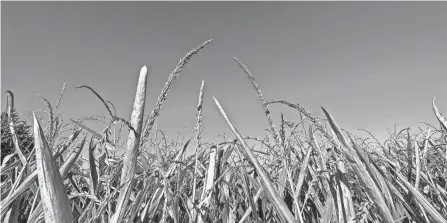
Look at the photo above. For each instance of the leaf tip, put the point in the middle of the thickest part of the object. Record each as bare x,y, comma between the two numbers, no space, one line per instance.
143,69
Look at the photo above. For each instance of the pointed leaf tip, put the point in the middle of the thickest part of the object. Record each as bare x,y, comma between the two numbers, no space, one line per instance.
325,112
143,70
439,116
37,128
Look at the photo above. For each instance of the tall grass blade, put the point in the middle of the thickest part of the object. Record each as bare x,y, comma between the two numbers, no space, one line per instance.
418,165
30,179
327,213
255,200
133,142
362,174
52,190
94,177
437,217
440,117
273,194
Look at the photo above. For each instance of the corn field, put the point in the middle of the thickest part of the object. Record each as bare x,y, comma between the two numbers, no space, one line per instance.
308,170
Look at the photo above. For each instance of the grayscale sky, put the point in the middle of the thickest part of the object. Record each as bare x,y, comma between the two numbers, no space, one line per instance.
371,64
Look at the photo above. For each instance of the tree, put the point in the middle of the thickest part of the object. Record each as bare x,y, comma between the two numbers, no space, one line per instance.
26,144
23,131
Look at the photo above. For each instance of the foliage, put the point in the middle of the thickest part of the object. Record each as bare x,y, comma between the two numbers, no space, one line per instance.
23,132
308,170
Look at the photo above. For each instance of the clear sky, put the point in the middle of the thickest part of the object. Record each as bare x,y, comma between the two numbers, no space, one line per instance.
370,64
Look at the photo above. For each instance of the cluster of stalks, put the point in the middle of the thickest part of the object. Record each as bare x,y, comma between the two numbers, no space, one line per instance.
308,170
